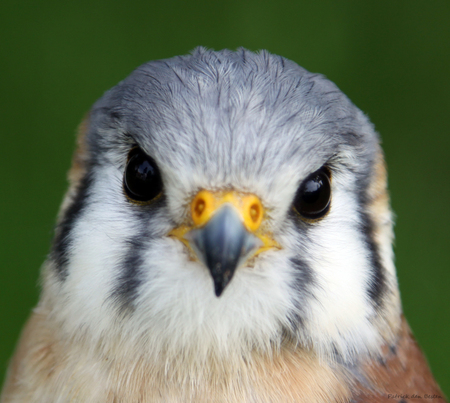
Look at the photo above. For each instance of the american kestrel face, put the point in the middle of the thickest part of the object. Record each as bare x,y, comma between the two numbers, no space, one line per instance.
127,254
224,205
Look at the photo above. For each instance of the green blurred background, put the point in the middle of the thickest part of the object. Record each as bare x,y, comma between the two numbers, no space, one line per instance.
392,58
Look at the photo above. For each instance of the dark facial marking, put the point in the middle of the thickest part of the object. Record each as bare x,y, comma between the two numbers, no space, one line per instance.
377,283
62,240
131,268
303,275
130,277
304,279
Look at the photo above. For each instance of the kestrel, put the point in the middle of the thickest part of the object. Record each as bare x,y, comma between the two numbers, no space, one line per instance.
226,237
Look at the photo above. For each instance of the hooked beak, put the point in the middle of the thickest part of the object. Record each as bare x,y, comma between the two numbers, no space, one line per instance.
226,232
222,245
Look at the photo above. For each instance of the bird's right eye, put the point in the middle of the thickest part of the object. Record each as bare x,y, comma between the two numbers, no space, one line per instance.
142,179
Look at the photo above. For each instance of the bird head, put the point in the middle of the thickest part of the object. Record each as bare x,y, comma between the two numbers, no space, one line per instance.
221,203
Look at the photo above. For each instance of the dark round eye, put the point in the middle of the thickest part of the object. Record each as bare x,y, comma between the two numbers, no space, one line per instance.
142,180
314,195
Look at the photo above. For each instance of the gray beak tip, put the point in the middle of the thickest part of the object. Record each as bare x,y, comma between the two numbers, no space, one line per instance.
222,244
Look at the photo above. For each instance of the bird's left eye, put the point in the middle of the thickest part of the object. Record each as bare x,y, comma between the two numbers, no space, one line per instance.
142,180
313,197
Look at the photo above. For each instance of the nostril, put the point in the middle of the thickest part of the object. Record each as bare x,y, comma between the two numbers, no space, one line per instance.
255,212
252,211
203,207
199,207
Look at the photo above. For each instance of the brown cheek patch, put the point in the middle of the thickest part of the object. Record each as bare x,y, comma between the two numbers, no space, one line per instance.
379,212
377,192
401,372
79,166
78,169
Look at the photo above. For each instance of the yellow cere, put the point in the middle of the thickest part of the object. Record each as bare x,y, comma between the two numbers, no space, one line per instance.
205,204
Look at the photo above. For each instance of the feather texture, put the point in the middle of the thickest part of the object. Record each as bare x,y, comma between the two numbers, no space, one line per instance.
129,314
